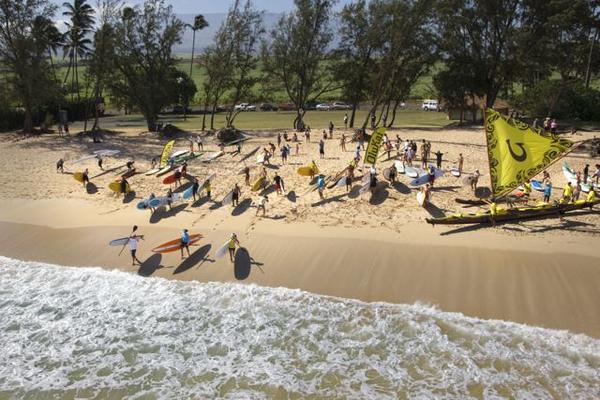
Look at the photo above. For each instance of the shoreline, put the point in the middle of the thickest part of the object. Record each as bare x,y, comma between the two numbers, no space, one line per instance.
489,276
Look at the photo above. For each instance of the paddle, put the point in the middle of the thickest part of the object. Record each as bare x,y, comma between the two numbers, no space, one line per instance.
132,232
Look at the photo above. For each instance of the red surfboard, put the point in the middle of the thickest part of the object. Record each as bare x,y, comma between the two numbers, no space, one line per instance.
175,244
172,178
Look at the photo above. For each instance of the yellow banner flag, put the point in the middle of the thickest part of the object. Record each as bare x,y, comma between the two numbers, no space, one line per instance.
374,145
517,152
166,153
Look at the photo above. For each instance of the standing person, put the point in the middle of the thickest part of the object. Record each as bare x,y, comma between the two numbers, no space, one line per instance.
132,243
346,121
152,209
567,193
438,159
546,176
330,130
586,172
474,180
207,186
322,149
277,181
313,169
431,176
423,155
185,242
86,177
100,162
153,163
393,172
324,134
60,164
321,186
553,126
343,142
294,137
349,177
460,163
597,173
547,191
297,148
123,187
576,192
199,143
235,197
247,175
357,152
373,183
262,205
373,121
284,154
278,139
191,144
129,165
233,241
195,187
170,199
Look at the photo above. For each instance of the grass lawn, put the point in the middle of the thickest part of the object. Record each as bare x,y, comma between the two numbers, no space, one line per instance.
274,120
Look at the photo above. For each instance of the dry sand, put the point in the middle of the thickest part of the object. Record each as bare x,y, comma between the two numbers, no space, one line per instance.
375,249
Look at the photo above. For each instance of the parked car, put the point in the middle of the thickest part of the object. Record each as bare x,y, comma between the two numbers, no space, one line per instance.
340,105
268,107
323,107
245,107
430,105
179,110
311,105
287,106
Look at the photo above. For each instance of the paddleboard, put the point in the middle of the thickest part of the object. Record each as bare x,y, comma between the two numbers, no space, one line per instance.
386,173
165,170
411,172
341,182
260,158
119,242
221,251
399,167
258,183
228,199
116,187
128,174
178,153
152,171
250,154
107,153
537,185
175,244
455,172
157,202
187,193
84,159
203,186
365,187
212,156
78,176
421,198
337,177
142,205
171,179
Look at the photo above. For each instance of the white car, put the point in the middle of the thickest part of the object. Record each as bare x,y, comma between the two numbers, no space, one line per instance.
245,107
323,107
340,105
430,105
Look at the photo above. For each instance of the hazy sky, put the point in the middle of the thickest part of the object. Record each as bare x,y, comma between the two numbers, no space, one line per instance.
219,6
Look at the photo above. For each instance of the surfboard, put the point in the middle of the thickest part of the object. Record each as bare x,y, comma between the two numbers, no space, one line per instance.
421,198
411,172
119,242
116,187
260,158
337,177
128,174
365,187
107,153
221,251
235,142
399,167
171,179
537,185
78,176
175,244
305,171
208,178
455,172
84,158
257,184
157,201
187,193
421,180
152,171
386,173
228,199
212,156
178,153
165,170
250,154
142,205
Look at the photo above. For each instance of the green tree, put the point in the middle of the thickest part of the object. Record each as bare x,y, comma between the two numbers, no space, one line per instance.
77,43
296,55
145,67
24,45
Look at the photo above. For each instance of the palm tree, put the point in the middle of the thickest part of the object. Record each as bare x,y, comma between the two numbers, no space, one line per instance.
199,24
77,43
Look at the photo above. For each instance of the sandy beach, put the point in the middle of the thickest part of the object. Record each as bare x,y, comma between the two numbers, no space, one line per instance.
544,273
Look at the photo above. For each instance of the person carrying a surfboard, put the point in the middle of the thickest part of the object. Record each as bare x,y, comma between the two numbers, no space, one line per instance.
132,243
547,191
123,187
195,187
233,241
277,181
185,242
262,204
85,178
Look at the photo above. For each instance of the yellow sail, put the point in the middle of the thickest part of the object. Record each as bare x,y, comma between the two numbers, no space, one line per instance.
166,153
374,145
517,152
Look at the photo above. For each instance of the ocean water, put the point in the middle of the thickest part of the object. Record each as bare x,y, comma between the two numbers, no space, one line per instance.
92,333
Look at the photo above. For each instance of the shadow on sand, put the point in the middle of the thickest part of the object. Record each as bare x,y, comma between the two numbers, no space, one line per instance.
91,188
150,265
163,212
196,258
241,208
242,264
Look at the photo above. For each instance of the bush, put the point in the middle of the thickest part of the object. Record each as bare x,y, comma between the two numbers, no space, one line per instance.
558,99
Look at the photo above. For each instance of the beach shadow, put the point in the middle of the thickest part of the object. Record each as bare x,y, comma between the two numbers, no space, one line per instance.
128,198
354,192
271,166
242,264
337,198
241,208
150,265
162,213
291,196
483,192
274,217
90,188
434,210
197,257
183,187
381,194
200,202
267,191
401,187
215,205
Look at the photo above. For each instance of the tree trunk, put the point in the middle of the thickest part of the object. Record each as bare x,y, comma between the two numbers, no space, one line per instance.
150,121
204,116
96,115
212,116
352,115
396,104
28,121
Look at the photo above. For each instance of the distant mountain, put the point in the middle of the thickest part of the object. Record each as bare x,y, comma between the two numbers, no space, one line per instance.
205,37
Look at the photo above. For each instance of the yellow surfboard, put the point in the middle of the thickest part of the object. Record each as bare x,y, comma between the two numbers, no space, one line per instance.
308,171
78,176
258,184
116,187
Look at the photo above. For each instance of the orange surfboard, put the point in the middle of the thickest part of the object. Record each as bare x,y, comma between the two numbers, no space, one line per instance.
175,244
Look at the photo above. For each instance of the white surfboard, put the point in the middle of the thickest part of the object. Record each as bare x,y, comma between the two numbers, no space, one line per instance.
411,172
399,167
341,182
228,199
455,172
421,198
221,251
365,187
84,159
107,153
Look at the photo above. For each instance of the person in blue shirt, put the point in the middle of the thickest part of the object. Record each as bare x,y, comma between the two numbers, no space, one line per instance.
321,186
185,242
547,191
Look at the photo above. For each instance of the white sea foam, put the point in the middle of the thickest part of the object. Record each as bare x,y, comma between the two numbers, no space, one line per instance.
93,333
